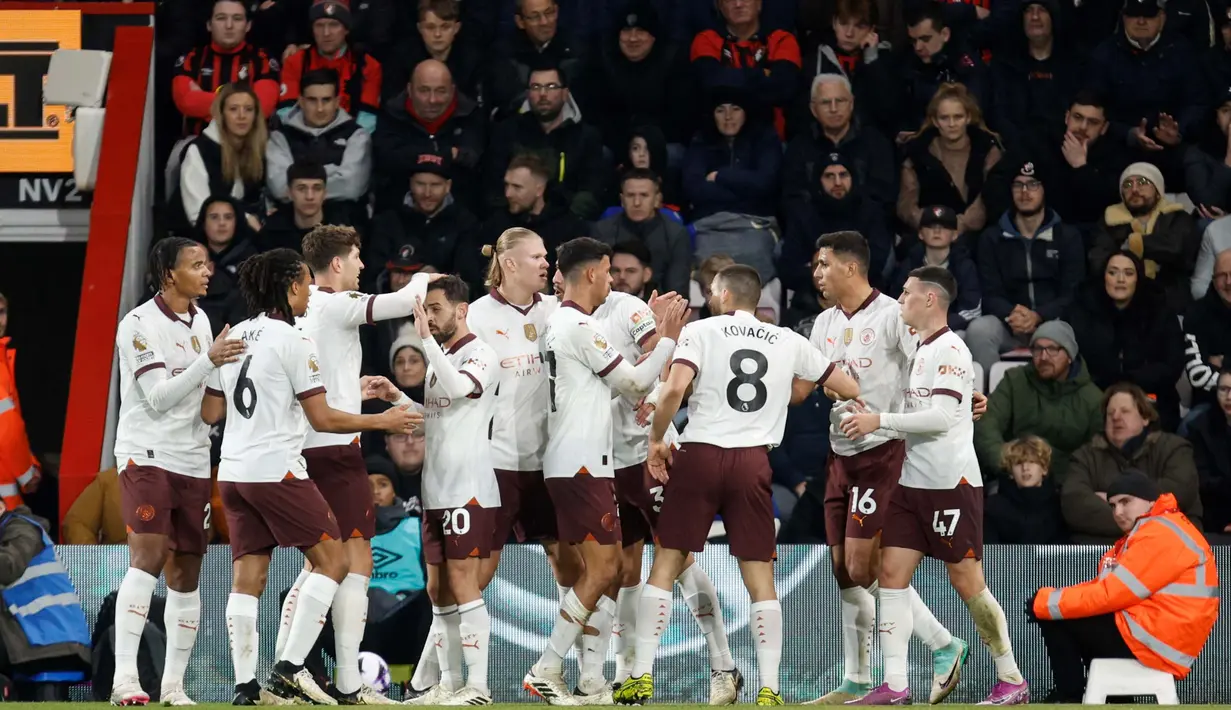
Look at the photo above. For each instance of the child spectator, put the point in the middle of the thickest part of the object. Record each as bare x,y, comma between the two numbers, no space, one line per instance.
1026,508
937,234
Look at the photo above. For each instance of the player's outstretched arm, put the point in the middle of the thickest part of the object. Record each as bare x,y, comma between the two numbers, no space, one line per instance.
326,419
401,303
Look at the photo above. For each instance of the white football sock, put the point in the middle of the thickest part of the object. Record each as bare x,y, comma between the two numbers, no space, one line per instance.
594,655
858,623
427,670
315,598
182,617
563,635
476,633
624,631
989,620
451,653
653,617
245,642
132,605
350,617
928,629
895,631
702,600
288,612
766,623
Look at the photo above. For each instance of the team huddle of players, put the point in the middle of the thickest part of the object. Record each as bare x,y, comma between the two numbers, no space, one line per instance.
538,424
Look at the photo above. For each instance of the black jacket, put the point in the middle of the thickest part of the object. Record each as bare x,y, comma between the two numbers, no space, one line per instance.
919,82
870,161
1207,328
1210,436
223,303
400,138
818,214
1171,247
657,91
436,237
1024,516
1031,96
967,306
748,172
573,152
280,231
935,184
870,72
511,60
668,242
1042,273
555,224
465,63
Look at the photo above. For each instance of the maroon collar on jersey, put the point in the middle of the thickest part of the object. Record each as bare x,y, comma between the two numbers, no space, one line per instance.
166,311
937,334
326,289
573,304
524,311
866,302
461,343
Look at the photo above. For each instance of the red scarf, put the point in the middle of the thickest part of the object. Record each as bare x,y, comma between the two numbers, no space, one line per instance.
433,127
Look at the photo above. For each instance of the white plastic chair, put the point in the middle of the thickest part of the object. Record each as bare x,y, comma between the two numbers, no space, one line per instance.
1126,676
997,373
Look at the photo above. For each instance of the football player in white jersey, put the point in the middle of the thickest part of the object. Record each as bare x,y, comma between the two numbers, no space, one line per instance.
866,337
269,399
937,509
741,372
166,352
335,464
578,464
630,327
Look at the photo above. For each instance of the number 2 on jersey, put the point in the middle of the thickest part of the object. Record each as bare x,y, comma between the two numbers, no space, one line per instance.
246,406
759,392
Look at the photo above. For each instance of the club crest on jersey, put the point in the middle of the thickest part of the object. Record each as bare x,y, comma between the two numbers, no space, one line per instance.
196,345
867,336
848,335
600,342
532,334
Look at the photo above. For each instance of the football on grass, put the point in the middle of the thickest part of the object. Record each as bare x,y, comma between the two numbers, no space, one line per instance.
374,671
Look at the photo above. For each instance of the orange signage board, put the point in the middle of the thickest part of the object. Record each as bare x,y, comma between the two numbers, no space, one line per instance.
34,137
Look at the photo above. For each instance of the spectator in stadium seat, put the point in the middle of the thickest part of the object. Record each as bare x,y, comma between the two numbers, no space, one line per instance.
1207,328
1030,267
552,124
647,149
408,366
428,218
763,62
398,534
537,42
631,270
1025,509
529,203
95,518
1210,436
1051,397
1128,334
228,158
937,246
227,58
733,163
438,36
838,128
1082,163
1207,174
1035,76
1153,80
1154,228
429,116
642,79
287,226
1127,441
228,241
948,159
938,58
640,219
406,451
835,202
359,72
317,130
852,49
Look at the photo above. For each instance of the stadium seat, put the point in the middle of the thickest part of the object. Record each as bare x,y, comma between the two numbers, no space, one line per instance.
1125,676
997,374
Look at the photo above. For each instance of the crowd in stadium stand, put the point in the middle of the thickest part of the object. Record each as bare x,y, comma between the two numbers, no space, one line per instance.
1069,162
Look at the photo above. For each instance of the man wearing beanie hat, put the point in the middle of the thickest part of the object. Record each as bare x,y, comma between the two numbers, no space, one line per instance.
1161,232
1154,599
1051,397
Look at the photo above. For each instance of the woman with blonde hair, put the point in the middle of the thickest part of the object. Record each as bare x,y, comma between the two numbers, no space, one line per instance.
228,158
948,159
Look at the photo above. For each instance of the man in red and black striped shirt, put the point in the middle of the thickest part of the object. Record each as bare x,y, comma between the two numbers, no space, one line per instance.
358,71
227,59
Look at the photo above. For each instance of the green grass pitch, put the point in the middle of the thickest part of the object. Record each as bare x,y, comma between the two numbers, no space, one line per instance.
522,706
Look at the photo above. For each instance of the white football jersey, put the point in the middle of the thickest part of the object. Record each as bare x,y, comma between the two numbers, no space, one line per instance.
153,337
457,470
743,383
628,323
265,426
332,322
519,419
579,423
873,346
941,367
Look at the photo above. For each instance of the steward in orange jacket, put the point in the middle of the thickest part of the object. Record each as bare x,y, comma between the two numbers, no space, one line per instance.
1155,598
18,468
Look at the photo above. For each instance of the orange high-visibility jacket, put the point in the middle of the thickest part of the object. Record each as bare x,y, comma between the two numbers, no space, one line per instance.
18,467
1161,583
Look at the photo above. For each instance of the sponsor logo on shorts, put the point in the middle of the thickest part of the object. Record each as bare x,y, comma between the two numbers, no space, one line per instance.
146,512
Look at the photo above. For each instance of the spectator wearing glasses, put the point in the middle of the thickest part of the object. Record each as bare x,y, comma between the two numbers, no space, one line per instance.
1051,397
438,35
1154,228
551,124
1030,266
538,42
